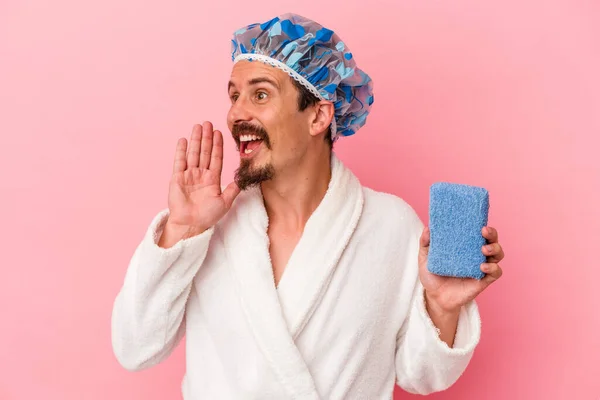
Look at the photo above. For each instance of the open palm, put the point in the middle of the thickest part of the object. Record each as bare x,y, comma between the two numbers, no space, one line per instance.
195,195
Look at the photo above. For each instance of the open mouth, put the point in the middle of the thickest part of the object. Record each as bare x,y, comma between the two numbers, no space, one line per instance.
249,144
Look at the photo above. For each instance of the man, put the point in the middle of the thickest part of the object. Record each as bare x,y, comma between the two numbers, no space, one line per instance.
294,281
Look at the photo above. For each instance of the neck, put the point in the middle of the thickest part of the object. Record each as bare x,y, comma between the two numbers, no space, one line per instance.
292,196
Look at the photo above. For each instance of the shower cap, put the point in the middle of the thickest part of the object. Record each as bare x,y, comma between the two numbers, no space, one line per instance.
317,59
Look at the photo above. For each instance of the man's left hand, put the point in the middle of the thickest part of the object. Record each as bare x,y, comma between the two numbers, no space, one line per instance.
449,294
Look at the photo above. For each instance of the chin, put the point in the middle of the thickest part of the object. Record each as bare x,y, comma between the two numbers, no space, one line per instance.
252,172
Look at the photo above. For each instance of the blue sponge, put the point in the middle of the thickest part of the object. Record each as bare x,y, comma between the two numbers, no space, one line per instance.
457,213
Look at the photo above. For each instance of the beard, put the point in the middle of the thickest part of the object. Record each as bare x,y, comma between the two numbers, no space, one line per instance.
247,176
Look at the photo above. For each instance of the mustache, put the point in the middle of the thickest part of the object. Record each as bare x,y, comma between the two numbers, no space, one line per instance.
247,128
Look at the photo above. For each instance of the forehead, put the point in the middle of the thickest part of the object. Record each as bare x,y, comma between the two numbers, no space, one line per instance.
244,72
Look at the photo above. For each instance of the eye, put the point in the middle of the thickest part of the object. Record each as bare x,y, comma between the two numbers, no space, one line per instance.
234,97
261,95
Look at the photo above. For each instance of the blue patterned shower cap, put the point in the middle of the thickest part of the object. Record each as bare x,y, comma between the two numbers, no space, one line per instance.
316,58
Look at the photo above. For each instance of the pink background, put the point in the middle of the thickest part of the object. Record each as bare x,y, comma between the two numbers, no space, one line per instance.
93,96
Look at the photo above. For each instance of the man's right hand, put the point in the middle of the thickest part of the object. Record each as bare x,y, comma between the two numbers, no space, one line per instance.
196,201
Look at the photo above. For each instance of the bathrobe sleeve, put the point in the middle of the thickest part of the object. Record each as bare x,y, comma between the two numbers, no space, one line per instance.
148,313
424,363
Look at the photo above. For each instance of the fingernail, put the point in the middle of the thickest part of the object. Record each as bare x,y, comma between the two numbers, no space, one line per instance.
489,247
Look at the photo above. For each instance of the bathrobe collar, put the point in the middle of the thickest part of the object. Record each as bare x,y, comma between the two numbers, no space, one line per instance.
277,316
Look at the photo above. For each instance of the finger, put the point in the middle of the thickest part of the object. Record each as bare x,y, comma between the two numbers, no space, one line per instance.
492,271
206,147
194,147
490,234
425,238
180,164
493,252
216,156
230,193
424,245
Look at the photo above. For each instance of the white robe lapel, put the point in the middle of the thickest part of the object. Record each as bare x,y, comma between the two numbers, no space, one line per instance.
314,260
277,319
247,247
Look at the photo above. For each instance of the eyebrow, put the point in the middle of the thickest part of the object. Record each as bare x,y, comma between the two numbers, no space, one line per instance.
256,81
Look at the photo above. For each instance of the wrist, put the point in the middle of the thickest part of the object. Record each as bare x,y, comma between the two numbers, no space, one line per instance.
436,308
173,233
184,231
445,320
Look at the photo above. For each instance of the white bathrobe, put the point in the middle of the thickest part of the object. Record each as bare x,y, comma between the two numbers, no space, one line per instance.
347,320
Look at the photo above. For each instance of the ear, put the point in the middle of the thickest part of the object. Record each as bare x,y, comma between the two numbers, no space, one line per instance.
322,117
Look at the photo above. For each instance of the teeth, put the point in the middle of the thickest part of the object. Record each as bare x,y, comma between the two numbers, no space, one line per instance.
248,138
247,151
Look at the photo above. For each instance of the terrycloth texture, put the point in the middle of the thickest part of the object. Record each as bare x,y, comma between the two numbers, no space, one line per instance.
347,320
315,57
457,213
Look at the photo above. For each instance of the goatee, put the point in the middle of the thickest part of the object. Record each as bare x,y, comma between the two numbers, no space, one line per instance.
247,176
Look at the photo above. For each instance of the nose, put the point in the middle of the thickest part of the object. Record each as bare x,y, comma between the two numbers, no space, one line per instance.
239,112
